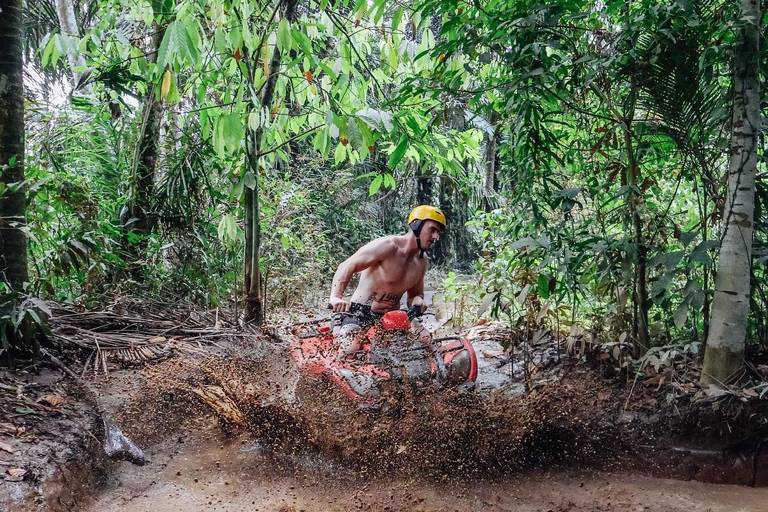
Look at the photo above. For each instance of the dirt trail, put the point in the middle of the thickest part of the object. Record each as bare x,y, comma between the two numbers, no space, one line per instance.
195,464
209,472
236,428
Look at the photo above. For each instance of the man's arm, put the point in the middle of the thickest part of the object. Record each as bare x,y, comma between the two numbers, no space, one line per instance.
416,298
416,295
365,257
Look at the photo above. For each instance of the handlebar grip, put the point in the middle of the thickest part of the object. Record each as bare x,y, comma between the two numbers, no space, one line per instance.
414,311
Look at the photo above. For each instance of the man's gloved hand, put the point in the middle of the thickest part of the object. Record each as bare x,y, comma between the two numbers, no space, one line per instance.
415,310
418,303
338,305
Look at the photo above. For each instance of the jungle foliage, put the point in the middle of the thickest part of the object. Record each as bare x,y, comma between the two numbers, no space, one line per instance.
579,148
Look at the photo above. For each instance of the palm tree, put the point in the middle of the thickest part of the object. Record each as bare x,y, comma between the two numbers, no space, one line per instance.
13,239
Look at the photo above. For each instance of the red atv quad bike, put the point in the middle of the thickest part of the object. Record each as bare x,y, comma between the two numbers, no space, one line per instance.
390,352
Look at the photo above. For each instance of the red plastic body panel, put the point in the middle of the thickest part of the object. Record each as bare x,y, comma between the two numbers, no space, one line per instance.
449,351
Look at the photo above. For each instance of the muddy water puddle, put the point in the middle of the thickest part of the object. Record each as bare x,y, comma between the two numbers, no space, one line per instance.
206,471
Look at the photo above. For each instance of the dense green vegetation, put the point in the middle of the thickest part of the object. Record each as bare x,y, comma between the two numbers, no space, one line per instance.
235,151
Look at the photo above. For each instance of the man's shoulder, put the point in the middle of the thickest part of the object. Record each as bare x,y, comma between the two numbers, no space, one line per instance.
385,243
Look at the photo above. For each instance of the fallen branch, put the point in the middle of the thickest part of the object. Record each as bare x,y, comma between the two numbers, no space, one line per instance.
116,445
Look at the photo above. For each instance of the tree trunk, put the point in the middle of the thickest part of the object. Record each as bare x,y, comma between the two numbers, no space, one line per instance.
145,161
454,247
65,9
254,298
635,200
724,357
464,250
424,188
441,249
141,217
13,239
641,265
491,163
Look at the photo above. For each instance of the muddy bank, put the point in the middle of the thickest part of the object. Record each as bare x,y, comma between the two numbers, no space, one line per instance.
51,458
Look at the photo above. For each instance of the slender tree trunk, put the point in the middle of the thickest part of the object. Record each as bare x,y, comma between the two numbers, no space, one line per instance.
724,356
454,245
142,218
254,298
641,265
635,203
13,239
491,160
445,248
702,193
65,9
145,161
464,251
424,188
441,251
489,177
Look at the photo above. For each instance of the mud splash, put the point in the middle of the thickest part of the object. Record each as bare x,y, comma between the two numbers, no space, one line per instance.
425,432
576,419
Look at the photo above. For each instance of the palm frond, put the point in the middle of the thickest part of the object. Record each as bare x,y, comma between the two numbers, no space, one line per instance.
679,88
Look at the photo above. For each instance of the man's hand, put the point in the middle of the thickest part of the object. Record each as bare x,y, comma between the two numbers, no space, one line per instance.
414,311
338,305
418,301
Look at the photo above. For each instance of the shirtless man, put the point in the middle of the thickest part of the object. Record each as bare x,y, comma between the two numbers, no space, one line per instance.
390,266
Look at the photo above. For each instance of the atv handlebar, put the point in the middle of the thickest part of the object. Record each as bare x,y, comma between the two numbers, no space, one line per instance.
412,311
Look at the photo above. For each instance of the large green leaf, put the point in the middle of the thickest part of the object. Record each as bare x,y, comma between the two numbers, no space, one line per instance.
228,133
376,184
398,153
284,37
180,46
379,120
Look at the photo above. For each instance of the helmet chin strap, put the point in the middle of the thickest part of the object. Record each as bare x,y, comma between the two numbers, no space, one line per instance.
421,249
417,232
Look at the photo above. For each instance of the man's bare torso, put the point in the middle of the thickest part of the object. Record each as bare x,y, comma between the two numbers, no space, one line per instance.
383,284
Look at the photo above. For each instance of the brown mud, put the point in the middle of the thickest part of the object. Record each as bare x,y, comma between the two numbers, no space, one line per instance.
239,430
213,472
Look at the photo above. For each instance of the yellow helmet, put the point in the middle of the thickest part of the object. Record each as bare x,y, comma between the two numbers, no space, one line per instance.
426,212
